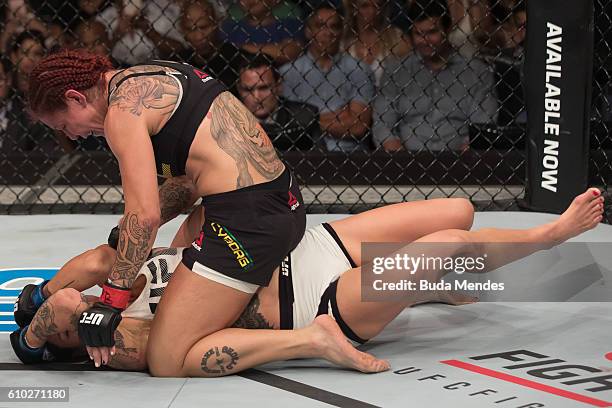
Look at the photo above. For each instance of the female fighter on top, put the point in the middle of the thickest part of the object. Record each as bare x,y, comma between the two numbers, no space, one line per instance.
320,278
174,120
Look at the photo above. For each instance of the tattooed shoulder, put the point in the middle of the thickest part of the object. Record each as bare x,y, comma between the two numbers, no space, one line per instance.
135,94
238,133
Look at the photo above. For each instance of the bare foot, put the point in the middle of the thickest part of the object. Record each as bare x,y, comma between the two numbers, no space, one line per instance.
583,214
331,345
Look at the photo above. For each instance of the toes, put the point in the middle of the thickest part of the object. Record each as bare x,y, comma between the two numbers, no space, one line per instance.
590,195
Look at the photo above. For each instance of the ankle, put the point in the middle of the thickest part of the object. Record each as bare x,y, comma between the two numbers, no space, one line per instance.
312,341
548,233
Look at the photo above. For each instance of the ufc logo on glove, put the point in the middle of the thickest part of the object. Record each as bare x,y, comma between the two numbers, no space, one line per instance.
91,318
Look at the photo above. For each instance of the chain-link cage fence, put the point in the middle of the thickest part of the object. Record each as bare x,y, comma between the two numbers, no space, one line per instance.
369,101
601,113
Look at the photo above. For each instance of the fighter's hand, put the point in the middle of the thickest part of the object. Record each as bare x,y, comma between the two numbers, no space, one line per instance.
97,330
98,324
100,355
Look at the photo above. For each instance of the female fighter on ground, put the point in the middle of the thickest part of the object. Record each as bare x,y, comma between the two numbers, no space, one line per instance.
319,280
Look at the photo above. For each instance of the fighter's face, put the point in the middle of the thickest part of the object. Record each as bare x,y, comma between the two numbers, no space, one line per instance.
79,119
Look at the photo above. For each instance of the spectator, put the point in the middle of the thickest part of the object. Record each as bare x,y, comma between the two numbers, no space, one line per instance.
428,99
200,26
370,37
140,31
340,86
16,16
92,35
259,31
472,24
508,68
58,36
513,30
5,103
26,49
290,125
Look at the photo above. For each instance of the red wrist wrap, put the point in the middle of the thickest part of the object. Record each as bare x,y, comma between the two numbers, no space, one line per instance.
115,296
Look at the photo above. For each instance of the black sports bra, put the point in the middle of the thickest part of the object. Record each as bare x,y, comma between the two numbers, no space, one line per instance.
198,91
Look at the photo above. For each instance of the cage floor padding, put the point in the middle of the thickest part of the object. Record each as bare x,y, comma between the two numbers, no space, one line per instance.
503,355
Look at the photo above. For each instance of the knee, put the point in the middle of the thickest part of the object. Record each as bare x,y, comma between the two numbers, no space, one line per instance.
66,300
463,213
461,242
163,369
162,364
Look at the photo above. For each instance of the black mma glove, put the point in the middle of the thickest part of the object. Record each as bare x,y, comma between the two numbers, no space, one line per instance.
28,302
98,324
45,354
113,238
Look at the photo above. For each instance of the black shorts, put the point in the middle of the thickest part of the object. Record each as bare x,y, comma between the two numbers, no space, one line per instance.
248,232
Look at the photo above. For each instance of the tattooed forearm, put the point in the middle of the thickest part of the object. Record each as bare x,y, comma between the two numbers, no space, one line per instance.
219,361
145,92
60,313
238,133
43,325
76,314
175,196
251,318
132,250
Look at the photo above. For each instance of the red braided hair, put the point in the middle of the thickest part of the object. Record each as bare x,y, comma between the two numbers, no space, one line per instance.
75,69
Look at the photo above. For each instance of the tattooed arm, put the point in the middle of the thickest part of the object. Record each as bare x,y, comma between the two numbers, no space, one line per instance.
176,195
135,111
238,134
59,314
57,320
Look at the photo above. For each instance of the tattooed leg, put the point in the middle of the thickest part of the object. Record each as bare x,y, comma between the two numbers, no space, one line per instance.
238,134
233,350
60,313
251,318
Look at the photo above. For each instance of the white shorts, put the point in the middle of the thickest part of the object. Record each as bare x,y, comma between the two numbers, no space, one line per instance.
308,278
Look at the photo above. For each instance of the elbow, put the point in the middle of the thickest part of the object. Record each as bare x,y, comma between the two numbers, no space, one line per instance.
152,220
148,218
66,300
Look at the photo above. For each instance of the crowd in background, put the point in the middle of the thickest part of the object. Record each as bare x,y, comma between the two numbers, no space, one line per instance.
349,75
